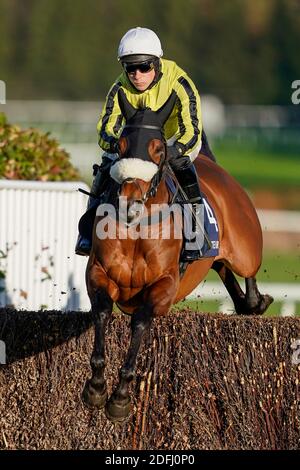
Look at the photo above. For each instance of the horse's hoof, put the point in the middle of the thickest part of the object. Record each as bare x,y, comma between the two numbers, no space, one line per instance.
117,410
92,396
266,300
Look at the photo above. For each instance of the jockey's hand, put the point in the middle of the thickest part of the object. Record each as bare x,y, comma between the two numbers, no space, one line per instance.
115,147
175,151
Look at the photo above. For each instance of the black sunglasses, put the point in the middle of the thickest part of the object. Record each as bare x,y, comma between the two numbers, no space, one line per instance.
143,67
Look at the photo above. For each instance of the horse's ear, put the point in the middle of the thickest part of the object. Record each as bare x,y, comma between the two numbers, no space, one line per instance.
127,109
164,112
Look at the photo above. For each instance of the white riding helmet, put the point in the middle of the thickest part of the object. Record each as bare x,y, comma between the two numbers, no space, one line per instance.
140,41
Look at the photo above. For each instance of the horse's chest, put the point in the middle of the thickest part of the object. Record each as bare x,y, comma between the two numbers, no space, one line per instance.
133,274
135,271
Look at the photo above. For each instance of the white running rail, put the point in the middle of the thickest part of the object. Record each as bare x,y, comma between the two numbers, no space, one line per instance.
38,231
279,221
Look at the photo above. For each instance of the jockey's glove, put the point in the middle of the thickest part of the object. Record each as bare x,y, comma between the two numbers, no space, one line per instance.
114,147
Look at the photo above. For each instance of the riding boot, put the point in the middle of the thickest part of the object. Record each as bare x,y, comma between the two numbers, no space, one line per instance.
188,180
101,178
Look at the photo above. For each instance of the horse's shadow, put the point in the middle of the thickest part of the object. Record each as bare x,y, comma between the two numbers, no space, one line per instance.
24,334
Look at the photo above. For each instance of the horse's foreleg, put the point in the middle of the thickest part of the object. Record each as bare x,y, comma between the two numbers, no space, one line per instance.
95,393
118,406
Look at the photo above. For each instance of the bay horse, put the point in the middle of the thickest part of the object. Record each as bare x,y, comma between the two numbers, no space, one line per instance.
142,275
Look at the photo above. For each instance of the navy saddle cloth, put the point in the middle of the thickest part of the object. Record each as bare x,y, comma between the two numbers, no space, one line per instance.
210,223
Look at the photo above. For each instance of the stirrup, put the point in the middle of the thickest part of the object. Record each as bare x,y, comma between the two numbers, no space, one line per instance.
188,256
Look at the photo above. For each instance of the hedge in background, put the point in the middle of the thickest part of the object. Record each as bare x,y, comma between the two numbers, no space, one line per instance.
32,155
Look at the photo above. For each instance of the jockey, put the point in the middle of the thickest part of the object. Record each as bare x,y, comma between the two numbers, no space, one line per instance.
148,81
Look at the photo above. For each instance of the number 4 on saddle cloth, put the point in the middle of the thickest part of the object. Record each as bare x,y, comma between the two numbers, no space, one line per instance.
208,222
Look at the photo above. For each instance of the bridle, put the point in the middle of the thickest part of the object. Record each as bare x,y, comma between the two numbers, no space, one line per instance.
156,179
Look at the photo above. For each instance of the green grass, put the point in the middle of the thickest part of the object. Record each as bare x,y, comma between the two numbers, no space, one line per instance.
260,169
212,306
280,267
259,159
276,267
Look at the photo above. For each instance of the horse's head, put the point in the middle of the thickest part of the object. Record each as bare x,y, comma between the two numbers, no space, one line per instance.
142,149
